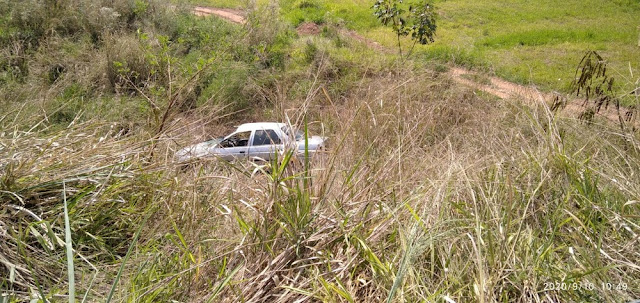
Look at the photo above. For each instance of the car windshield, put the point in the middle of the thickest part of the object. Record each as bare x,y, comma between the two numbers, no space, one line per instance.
299,135
214,141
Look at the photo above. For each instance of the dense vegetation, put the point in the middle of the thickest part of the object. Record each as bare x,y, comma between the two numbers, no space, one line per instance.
431,191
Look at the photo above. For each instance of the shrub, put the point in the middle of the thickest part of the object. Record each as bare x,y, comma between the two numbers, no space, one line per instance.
14,62
268,37
127,65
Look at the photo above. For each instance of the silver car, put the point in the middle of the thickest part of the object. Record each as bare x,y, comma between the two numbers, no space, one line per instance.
254,141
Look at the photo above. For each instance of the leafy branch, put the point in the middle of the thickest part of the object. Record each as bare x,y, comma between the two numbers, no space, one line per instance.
417,21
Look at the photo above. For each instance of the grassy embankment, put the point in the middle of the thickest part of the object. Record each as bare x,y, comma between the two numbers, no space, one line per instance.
430,191
528,42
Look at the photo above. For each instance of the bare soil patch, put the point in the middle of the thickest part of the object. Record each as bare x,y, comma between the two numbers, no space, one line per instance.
235,16
308,28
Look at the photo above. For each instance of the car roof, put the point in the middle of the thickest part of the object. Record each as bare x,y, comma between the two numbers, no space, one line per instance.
259,125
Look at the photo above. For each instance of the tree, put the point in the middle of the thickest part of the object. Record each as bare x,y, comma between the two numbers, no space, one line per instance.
418,20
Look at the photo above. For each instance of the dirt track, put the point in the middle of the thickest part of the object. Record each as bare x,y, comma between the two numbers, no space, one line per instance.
497,87
232,15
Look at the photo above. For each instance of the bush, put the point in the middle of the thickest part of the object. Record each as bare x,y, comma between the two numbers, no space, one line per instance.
127,66
268,37
32,21
13,62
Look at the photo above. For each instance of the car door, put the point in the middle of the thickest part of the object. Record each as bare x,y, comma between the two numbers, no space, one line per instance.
264,144
235,146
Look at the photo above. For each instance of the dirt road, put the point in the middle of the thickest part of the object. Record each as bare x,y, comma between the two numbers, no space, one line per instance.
232,15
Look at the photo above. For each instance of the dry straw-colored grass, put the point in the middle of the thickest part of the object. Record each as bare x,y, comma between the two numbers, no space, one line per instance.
428,192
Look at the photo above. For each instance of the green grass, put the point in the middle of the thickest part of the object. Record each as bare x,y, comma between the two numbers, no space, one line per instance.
533,42
539,42
354,14
527,42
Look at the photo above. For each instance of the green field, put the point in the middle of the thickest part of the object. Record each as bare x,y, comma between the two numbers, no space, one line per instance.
538,42
529,42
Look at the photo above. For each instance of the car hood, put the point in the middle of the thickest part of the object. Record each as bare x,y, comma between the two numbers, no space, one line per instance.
196,150
314,142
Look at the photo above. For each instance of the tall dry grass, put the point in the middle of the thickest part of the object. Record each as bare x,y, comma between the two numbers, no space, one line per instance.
429,192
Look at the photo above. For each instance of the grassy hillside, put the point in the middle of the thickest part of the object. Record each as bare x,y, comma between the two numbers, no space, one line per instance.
430,191
539,42
529,42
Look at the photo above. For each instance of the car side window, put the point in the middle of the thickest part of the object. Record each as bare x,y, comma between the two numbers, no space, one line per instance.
266,137
237,140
